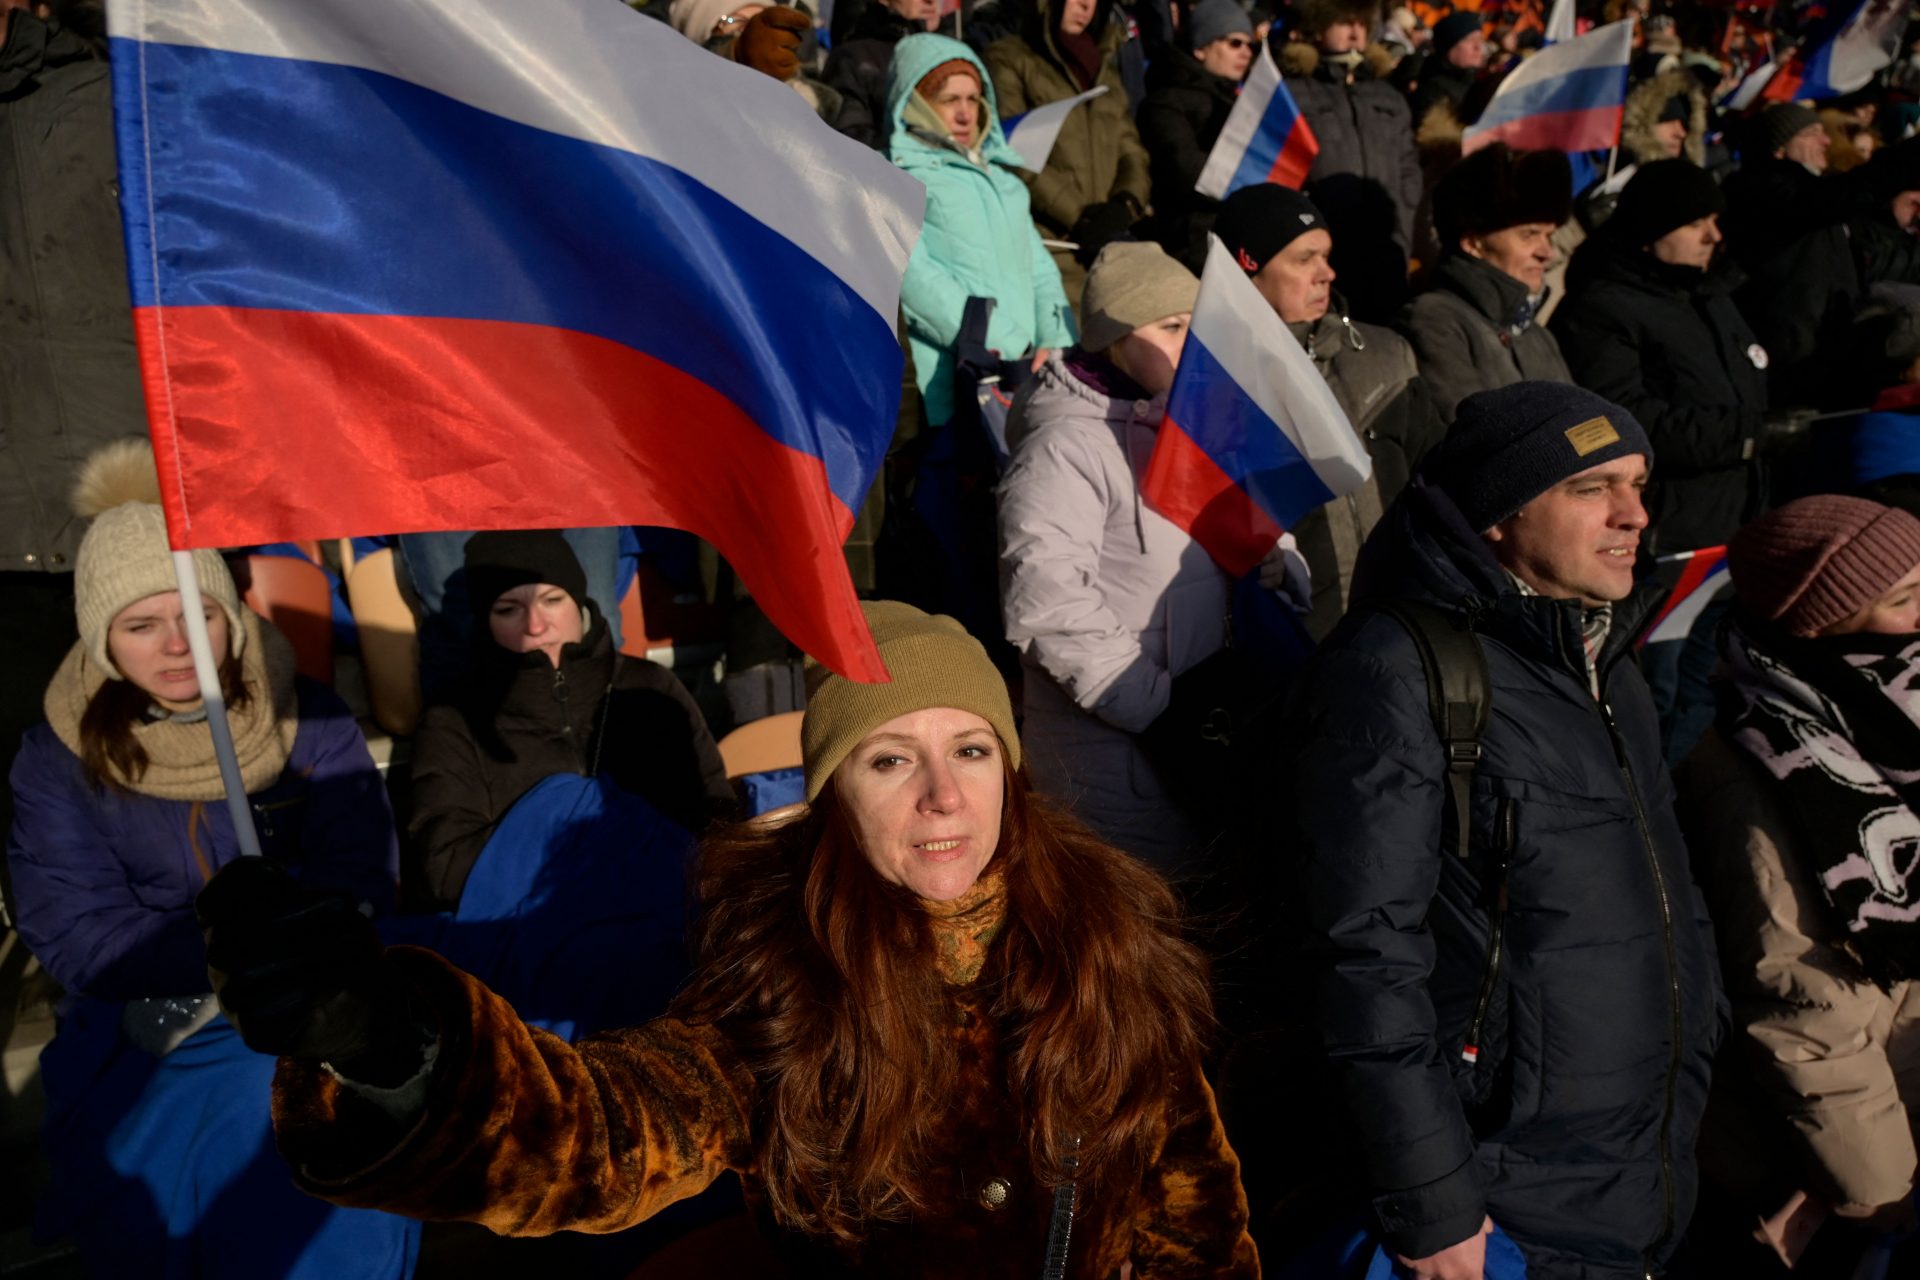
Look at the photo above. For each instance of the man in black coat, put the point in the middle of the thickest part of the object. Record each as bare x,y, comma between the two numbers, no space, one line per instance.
1454,61
1189,96
857,67
1519,1033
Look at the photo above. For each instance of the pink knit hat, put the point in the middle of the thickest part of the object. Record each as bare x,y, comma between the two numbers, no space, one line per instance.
1819,560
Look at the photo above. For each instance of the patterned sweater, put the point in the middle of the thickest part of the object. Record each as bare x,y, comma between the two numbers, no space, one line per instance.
528,1135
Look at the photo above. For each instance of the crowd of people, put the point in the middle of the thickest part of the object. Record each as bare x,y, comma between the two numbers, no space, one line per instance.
1516,873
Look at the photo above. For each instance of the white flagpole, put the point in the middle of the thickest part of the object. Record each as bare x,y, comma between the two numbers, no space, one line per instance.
1613,157
210,692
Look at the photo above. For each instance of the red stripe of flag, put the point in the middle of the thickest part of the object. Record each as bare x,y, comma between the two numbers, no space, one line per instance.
1188,487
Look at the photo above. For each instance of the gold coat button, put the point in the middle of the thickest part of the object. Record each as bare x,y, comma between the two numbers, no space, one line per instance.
995,1193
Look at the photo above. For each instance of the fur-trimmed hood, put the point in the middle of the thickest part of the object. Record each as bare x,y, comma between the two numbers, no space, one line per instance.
1646,100
1302,58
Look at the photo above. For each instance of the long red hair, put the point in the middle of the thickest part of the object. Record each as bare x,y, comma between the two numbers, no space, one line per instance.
824,976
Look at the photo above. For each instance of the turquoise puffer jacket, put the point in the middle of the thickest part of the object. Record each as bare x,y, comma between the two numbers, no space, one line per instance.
978,241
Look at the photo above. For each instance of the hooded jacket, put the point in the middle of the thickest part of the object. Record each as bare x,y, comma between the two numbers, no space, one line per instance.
1595,1012
1646,102
978,240
69,376
524,719
1098,155
1107,601
1670,347
1473,328
1180,120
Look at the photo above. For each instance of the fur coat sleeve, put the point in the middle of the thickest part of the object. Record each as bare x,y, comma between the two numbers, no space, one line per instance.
523,1133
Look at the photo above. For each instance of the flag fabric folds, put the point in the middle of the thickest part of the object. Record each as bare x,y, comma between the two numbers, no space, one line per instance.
1033,133
1704,577
1253,438
1857,40
1570,96
1265,138
459,264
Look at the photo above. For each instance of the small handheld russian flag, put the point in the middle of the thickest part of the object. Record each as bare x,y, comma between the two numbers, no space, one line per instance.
1571,96
1253,439
1265,138
1704,578
1033,133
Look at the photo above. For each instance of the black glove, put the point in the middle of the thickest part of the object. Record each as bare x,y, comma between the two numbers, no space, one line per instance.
301,973
1101,224
1191,743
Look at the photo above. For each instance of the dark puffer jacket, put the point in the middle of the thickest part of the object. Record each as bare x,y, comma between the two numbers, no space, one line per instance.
1473,330
598,712
1185,108
1670,347
1574,1128
69,377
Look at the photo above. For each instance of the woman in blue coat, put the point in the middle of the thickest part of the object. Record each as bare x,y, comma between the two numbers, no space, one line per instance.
978,241
156,1114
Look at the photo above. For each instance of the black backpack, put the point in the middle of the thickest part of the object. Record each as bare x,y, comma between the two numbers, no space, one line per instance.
1459,695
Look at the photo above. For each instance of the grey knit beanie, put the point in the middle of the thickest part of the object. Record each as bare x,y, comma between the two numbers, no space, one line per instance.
125,555
1510,445
1215,20
1132,283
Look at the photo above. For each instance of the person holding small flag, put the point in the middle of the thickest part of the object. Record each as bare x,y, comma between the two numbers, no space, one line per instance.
1281,240
1097,181
1513,973
1190,93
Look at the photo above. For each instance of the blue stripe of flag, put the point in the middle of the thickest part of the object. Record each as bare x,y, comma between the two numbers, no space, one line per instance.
1242,439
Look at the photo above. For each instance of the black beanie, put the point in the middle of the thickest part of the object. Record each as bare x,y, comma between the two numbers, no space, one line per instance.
498,560
1775,127
1257,222
1510,445
1450,31
1662,197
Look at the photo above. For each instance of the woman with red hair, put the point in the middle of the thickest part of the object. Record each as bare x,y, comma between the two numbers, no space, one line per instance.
938,1027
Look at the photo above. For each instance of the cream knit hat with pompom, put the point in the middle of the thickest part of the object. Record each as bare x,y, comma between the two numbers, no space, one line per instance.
125,556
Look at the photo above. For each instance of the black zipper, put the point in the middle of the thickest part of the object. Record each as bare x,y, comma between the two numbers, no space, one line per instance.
1506,838
1673,983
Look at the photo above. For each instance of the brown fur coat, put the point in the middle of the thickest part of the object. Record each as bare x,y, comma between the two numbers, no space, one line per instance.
528,1135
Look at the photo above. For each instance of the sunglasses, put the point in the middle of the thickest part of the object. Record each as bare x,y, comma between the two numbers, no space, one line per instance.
1237,42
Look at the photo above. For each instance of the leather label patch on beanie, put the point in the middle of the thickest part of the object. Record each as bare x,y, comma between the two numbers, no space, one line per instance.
1594,433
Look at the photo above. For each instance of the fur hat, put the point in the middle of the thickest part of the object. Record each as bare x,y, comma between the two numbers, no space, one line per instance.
1132,283
1311,17
932,662
126,556
1495,188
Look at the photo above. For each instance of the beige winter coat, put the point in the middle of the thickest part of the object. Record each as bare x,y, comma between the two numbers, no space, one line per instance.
1823,1071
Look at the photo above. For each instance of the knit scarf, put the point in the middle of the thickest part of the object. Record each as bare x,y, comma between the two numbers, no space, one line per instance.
180,760
965,927
1837,723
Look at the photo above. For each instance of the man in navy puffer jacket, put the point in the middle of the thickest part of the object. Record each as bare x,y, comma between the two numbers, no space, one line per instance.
1521,1036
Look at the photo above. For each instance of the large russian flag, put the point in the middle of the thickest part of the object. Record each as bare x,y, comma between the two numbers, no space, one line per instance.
1253,439
450,264
1569,95
1847,51
1265,138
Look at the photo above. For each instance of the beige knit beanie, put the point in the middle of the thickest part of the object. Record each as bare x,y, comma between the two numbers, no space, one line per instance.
125,556
933,662
1132,284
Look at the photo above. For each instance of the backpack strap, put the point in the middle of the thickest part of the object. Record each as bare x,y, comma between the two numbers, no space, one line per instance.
1459,695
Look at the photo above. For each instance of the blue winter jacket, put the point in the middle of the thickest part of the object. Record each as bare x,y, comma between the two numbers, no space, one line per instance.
978,240
104,880
1584,976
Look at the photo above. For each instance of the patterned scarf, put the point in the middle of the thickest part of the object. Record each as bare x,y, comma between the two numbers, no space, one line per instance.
965,927
1837,722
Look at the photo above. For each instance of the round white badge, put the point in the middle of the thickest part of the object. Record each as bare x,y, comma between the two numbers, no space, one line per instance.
1757,354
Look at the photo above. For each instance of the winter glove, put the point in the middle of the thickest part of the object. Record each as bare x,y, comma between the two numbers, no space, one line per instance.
1101,224
770,39
301,973
1284,572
